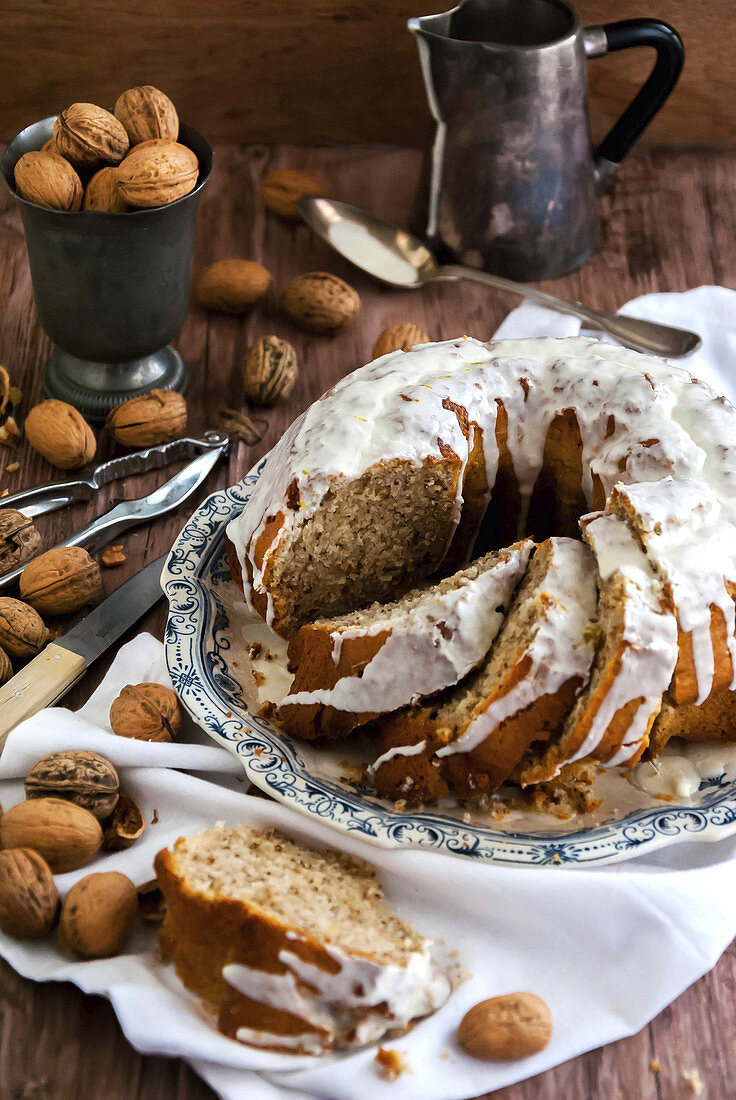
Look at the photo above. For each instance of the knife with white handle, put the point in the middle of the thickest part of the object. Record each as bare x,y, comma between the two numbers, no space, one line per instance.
48,677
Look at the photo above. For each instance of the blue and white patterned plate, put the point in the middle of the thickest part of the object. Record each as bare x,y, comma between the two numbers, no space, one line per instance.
197,582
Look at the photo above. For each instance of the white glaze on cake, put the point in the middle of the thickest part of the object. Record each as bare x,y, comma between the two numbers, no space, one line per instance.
559,649
364,996
431,646
665,439
397,750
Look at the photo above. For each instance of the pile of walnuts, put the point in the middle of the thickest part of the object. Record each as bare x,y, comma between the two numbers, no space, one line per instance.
127,159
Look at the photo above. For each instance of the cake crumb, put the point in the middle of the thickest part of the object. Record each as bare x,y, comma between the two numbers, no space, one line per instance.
255,650
391,1063
694,1081
12,467
655,1065
259,677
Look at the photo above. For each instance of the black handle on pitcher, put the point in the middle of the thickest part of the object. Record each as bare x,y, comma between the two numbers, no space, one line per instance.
611,37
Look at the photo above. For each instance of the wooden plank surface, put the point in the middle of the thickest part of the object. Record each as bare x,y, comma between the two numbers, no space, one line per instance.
670,226
319,71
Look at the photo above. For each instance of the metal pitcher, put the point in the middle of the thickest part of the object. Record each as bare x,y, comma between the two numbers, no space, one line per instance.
514,178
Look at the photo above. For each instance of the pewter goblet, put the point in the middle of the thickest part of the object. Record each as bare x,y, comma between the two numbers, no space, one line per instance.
111,289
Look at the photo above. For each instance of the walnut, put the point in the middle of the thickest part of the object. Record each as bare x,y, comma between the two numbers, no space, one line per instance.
271,370
145,421
78,776
503,1029
98,914
48,180
61,434
22,630
64,834
399,337
60,581
320,302
238,426
158,174
29,900
125,826
146,113
149,712
101,193
283,186
88,136
9,430
19,539
232,286
6,669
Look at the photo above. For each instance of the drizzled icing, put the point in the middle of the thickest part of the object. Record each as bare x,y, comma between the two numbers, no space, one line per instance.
559,648
430,646
666,440
649,639
358,1004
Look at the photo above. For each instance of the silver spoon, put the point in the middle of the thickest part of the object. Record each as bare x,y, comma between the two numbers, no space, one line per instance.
402,260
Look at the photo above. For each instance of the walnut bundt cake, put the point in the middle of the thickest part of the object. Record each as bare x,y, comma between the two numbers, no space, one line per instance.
388,479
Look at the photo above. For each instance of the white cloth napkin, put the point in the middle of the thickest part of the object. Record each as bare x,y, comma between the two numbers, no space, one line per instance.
608,948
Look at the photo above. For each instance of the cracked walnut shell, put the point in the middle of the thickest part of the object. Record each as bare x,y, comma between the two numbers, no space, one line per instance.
270,371
29,900
19,539
145,421
48,180
22,630
88,136
126,825
320,302
61,580
78,776
148,712
147,114
61,434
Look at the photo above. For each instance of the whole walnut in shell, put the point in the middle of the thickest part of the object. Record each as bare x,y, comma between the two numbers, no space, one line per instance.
232,286
78,776
506,1028
282,187
320,302
29,900
88,135
64,834
401,337
147,113
22,630
48,180
158,174
61,434
145,421
148,712
98,914
6,669
101,193
19,539
271,370
61,580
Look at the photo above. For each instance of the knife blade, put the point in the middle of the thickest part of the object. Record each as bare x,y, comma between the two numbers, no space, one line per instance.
58,666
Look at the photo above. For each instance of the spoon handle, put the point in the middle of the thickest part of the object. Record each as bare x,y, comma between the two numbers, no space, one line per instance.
647,336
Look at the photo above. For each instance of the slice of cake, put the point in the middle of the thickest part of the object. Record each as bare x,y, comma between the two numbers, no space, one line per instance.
352,668
473,736
293,947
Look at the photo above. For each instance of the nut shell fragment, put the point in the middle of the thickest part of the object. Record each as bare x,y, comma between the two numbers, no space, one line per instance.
155,417
60,581
126,825
19,539
78,776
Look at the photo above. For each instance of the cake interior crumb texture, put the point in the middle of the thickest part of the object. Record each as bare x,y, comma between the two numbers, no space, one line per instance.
324,894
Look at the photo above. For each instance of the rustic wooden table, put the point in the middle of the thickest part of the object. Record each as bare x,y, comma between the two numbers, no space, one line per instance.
671,226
